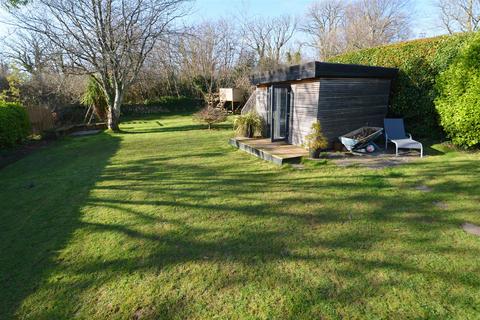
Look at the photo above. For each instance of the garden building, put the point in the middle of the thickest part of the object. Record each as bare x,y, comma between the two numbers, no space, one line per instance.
342,97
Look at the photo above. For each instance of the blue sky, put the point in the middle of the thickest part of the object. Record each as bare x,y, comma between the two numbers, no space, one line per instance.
423,15
213,8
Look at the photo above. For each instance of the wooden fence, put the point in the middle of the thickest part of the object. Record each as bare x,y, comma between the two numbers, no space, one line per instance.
41,119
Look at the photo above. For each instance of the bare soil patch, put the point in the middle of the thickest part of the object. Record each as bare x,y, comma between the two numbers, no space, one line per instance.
471,229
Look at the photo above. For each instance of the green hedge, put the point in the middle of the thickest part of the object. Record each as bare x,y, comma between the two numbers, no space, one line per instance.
458,101
14,124
419,62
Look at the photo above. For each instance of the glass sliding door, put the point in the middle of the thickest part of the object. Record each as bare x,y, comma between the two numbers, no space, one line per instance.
280,110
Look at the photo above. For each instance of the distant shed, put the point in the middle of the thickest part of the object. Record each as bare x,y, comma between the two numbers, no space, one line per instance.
231,94
343,97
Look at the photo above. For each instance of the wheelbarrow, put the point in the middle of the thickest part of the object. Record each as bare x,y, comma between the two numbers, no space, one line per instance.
361,140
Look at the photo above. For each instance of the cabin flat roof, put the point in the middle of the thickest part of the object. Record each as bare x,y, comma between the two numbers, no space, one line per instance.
316,69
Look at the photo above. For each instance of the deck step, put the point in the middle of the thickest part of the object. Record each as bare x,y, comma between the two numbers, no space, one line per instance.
277,152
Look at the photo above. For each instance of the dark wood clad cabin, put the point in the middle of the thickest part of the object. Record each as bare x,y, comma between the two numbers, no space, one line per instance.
343,97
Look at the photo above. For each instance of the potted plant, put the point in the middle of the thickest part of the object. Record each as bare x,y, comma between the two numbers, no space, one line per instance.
315,140
248,125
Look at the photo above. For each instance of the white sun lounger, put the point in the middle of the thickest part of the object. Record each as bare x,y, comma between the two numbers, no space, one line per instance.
395,132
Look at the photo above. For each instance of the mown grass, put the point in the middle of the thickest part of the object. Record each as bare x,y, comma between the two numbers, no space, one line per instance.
166,221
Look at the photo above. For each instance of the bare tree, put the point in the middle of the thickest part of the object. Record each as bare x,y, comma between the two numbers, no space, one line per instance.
335,26
31,52
370,23
109,39
324,24
269,38
459,15
283,30
160,74
209,55
44,82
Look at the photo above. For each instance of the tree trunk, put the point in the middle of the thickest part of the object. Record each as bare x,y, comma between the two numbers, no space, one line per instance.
114,110
113,119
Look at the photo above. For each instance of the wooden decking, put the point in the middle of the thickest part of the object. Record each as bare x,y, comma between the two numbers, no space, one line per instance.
279,152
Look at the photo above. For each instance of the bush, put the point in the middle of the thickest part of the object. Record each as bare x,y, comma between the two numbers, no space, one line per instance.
315,140
248,125
14,124
95,97
211,116
419,63
458,101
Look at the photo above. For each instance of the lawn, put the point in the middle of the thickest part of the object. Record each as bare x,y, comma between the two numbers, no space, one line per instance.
167,221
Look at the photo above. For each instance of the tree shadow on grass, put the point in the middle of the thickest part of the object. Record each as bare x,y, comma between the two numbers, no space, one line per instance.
195,218
155,116
41,201
257,223
223,126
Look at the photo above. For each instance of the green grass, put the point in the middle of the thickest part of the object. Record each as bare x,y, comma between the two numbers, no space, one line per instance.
166,221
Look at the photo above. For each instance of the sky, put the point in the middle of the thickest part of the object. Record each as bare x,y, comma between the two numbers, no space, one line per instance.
423,13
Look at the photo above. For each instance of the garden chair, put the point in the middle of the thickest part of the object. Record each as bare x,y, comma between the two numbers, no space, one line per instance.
395,132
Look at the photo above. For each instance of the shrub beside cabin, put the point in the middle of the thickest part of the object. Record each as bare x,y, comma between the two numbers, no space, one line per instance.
342,97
